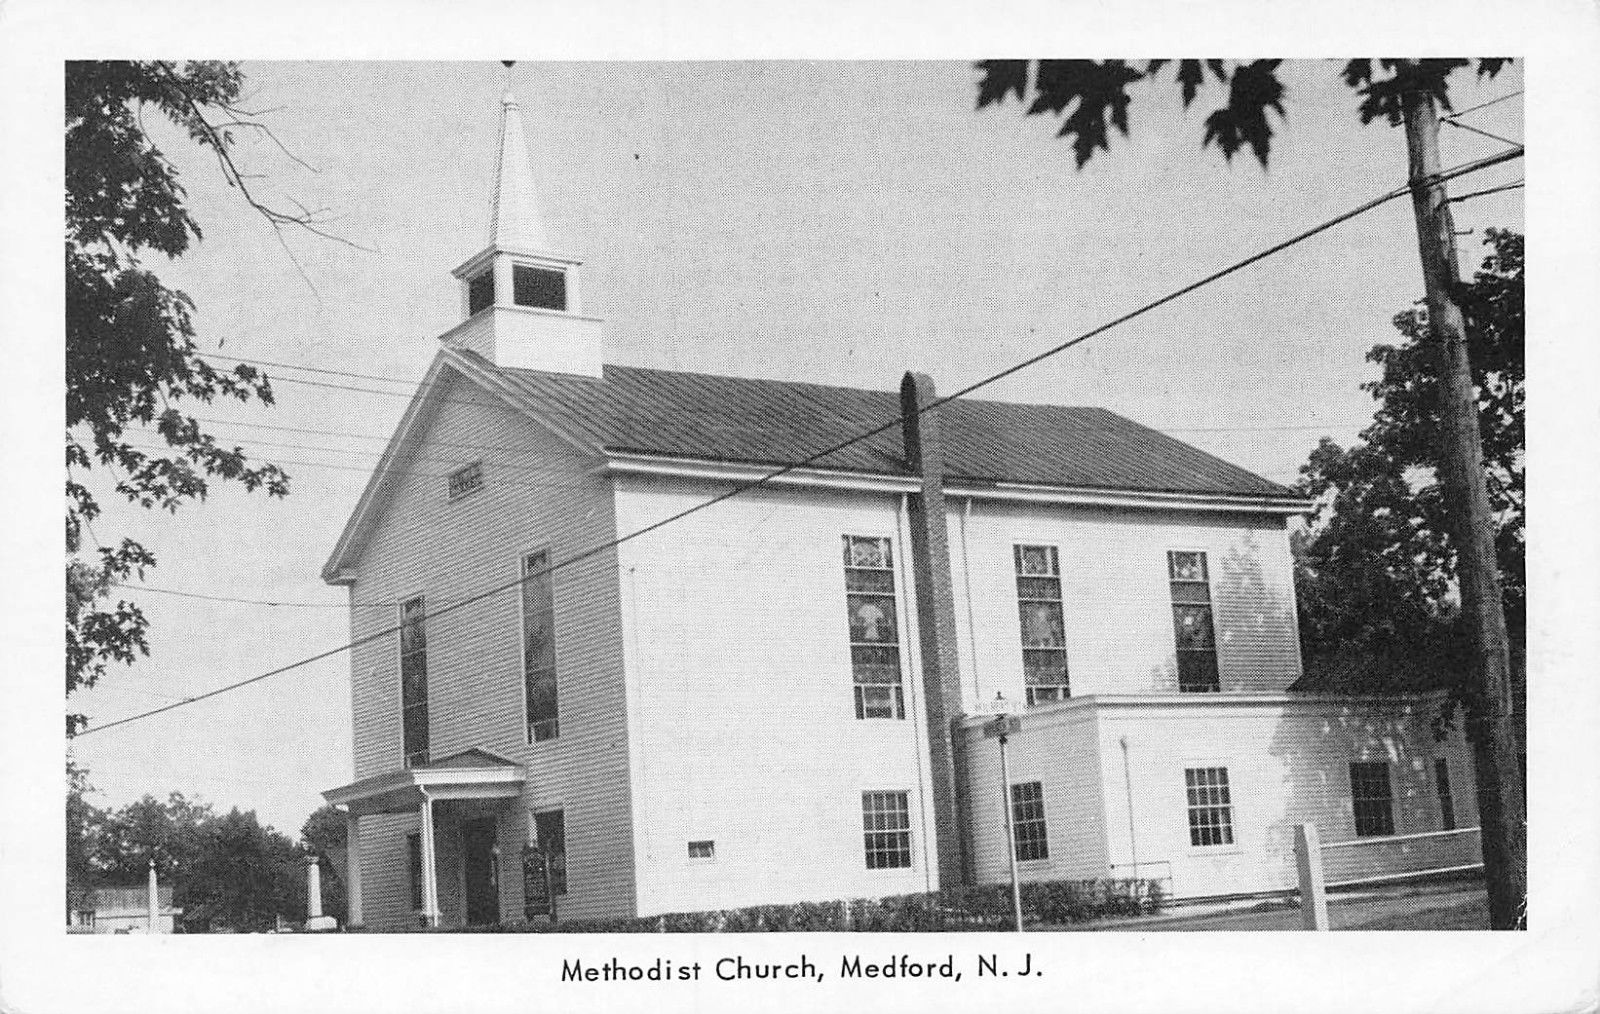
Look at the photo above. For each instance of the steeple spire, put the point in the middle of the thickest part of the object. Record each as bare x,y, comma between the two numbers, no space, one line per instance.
520,300
514,219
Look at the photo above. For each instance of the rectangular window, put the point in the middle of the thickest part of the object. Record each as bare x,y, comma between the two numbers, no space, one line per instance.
874,627
1371,799
539,647
550,827
705,851
1044,633
1191,622
1447,803
414,680
886,826
1029,835
543,288
480,292
414,869
1210,806
466,479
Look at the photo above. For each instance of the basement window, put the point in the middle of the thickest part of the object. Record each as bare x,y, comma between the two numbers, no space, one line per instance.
703,851
466,480
480,292
541,288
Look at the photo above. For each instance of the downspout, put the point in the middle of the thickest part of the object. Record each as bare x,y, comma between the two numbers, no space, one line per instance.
1127,786
966,583
902,526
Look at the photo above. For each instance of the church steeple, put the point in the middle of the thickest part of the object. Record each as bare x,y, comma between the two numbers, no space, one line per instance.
514,218
520,298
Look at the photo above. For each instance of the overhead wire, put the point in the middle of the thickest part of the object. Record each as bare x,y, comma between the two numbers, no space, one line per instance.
737,489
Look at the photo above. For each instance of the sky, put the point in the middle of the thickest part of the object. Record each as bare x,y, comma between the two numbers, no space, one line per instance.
829,222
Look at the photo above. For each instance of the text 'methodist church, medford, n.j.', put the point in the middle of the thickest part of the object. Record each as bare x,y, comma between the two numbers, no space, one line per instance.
781,698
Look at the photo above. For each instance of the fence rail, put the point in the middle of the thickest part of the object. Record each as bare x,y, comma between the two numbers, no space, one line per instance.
1376,860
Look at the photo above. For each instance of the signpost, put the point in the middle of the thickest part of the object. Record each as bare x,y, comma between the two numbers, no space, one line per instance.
1004,725
537,898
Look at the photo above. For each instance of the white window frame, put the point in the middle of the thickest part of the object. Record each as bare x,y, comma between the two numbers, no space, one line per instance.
705,860
1016,824
1234,827
1172,604
1017,544
522,651
909,831
901,631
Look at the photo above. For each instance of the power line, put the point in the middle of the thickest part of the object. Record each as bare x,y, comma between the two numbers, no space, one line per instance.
1486,105
1517,185
253,602
740,488
1482,133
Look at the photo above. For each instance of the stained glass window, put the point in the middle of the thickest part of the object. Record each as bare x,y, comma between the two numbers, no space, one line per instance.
1192,622
1044,631
874,627
539,647
414,680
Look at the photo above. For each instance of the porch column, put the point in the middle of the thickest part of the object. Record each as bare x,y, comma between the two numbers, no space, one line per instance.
352,848
430,875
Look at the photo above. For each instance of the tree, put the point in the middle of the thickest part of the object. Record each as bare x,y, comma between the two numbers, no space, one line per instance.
1401,91
131,357
228,871
1376,575
81,819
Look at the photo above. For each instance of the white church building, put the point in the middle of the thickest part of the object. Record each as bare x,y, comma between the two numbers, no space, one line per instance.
779,697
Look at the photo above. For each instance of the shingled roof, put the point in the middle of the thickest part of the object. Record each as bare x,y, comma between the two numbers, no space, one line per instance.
771,422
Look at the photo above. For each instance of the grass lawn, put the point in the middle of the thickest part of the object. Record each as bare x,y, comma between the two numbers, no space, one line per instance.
1454,907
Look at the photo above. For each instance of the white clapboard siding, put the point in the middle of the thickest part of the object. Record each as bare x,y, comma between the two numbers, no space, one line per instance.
742,715
543,494
1061,751
1117,603
1288,763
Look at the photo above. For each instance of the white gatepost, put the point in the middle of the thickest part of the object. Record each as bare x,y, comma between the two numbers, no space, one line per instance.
152,903
352,846
1313,893
315,920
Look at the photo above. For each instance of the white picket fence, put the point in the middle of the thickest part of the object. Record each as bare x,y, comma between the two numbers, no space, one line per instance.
1379,859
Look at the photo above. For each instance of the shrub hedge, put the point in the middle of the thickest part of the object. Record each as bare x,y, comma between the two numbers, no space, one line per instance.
987,907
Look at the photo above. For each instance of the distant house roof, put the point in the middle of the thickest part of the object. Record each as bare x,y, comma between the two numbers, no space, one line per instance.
114,901
773,422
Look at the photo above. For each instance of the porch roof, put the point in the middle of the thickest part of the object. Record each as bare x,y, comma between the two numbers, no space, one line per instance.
470,774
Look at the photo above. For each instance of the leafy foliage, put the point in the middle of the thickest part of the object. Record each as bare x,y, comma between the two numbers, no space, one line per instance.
131,356
228,871
1092,95
1376,576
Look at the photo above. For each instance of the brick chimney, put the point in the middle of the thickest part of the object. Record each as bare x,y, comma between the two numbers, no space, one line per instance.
936,620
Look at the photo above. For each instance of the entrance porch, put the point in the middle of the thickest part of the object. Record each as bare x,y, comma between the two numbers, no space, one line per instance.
461,801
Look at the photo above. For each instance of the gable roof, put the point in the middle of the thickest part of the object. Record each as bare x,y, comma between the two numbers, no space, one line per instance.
772,422
738,420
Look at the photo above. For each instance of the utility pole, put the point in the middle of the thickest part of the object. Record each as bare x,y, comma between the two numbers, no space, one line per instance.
1501,808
